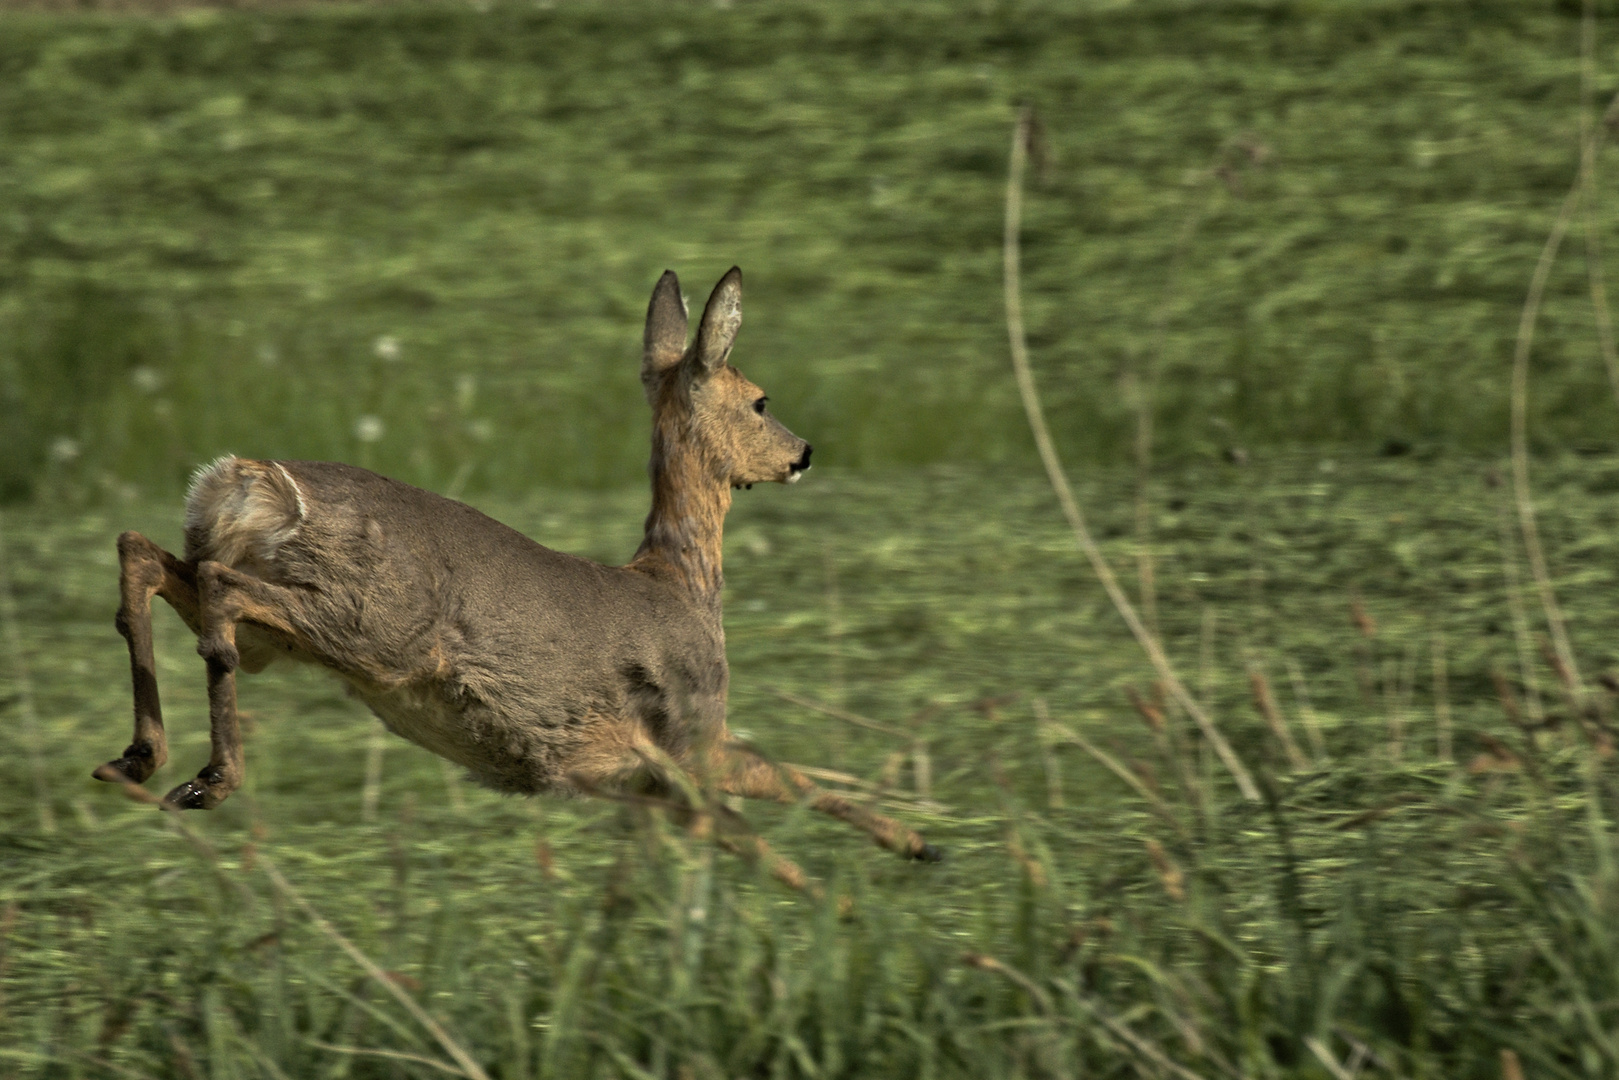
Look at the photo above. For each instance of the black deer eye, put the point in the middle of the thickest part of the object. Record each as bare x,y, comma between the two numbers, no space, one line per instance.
759,406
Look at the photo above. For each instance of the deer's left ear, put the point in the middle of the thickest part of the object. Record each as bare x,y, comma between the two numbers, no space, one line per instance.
665,340
721,320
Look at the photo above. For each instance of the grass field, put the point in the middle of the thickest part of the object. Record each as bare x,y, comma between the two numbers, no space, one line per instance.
1432,912
420,238
213,225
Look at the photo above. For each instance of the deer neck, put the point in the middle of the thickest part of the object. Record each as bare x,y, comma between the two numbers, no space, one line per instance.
685,531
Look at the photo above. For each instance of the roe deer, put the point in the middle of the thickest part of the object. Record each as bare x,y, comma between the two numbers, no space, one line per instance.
534,670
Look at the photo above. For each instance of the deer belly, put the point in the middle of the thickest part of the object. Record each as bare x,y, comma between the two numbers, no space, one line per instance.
495,751
258,648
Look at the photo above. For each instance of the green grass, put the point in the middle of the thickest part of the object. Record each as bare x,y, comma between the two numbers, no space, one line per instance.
1435,912
208,221
248,231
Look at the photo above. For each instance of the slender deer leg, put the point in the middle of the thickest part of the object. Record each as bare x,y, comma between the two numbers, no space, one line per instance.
739,773
227,597
639,769
146,570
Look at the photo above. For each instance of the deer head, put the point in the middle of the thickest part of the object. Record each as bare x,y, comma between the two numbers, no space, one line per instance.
701,403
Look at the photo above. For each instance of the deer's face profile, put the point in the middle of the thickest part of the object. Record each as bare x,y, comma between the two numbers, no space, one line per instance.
696,394
747,444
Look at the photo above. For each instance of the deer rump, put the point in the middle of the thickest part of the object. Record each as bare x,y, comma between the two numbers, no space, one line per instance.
524,665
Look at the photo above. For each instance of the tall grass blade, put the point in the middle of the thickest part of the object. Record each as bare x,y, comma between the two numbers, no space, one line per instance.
1059,479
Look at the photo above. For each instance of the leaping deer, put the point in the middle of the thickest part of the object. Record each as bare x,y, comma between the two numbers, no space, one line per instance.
534,670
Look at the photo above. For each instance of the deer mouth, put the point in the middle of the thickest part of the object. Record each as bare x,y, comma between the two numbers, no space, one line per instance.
799,467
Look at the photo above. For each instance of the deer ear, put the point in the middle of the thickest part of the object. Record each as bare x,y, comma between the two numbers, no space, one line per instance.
721,320
665,340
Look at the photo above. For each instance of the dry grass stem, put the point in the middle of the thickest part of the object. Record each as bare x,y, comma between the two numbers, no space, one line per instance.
754,849
843,714
1037,994
469,1067
1165,738
391,1055
1312,722
1059,480
1324,1055
1171,875
1020,854
913,801
1265,702
1520,621
1141,1046
1520,432
1135,783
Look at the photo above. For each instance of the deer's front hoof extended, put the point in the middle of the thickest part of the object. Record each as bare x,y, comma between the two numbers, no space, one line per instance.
136,766
198,794
927,853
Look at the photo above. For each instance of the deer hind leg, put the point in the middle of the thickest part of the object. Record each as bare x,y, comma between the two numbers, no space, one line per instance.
227,597
744,774
146,570
628,765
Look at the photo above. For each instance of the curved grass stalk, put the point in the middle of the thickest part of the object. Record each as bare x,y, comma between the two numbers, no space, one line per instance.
1581,194
1059,479
468,1066
1520,440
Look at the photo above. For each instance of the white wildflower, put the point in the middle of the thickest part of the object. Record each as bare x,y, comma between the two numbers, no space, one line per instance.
387,348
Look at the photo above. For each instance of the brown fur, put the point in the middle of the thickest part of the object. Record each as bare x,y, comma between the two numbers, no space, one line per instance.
536,671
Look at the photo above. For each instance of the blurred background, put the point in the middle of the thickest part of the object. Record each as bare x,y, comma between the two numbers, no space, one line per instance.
1275,255
422,236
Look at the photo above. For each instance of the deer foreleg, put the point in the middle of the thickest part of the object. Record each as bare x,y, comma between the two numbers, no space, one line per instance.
146,570
227,597
739,773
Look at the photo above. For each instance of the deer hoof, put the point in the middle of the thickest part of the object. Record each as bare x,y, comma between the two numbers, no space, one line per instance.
136,766
195,794
927,853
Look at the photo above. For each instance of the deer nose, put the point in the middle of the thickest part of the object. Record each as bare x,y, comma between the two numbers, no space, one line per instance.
803,462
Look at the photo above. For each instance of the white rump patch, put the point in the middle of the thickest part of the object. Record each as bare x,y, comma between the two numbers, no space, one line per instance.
240,511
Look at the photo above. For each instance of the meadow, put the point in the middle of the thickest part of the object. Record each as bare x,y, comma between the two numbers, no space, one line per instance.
249,231
1428,879
420,237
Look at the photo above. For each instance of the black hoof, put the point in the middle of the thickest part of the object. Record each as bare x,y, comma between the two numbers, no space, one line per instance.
193,795
122,771
136,766
927,853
